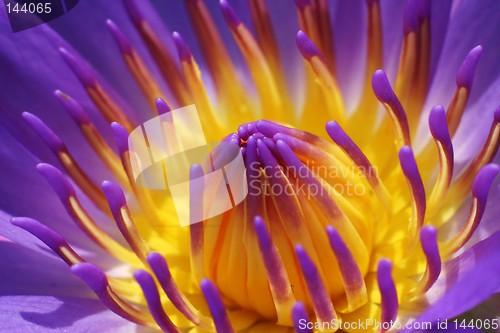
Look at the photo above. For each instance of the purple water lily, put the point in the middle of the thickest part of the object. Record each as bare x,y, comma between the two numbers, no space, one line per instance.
369,131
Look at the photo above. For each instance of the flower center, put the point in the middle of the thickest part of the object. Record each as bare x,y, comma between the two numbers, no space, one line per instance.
298,184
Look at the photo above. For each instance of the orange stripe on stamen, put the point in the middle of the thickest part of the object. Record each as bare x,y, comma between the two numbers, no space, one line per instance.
124,221
407,65
415,60
108,107
259,68
60,246
352,150
219,63
391,103
103,287
331,88
439,130
417,190
160,53
82,180
308,22
67,195
143,196
326,33
266,37
60,150
94,138
480,189
326,80
147,83
196,86
361,120
465,78
485,156
457,108
421,79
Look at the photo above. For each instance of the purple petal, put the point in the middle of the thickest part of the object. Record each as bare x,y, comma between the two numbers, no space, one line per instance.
89,19
54,300
471,23
25,193
20,265
471,280
58,314
349,28
440,15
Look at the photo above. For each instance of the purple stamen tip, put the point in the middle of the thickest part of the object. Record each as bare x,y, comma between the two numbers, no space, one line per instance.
162,106
252,127
381,87
262,232
423,9
428,240
57,180
229,15
114,195
410,169
79,67
160,268
438,125
119,37
289,156
407,159
483,181
133,11
308,267
388,291
181,46
496,115
196,171
216,306
410,21
306,46
337,243
159,265
150,292
48,236
92,275
121,137
299,316
301,4
465,75
44,132
335,132
243,131
74,108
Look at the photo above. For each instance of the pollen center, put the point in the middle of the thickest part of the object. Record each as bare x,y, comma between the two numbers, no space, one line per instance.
298,185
